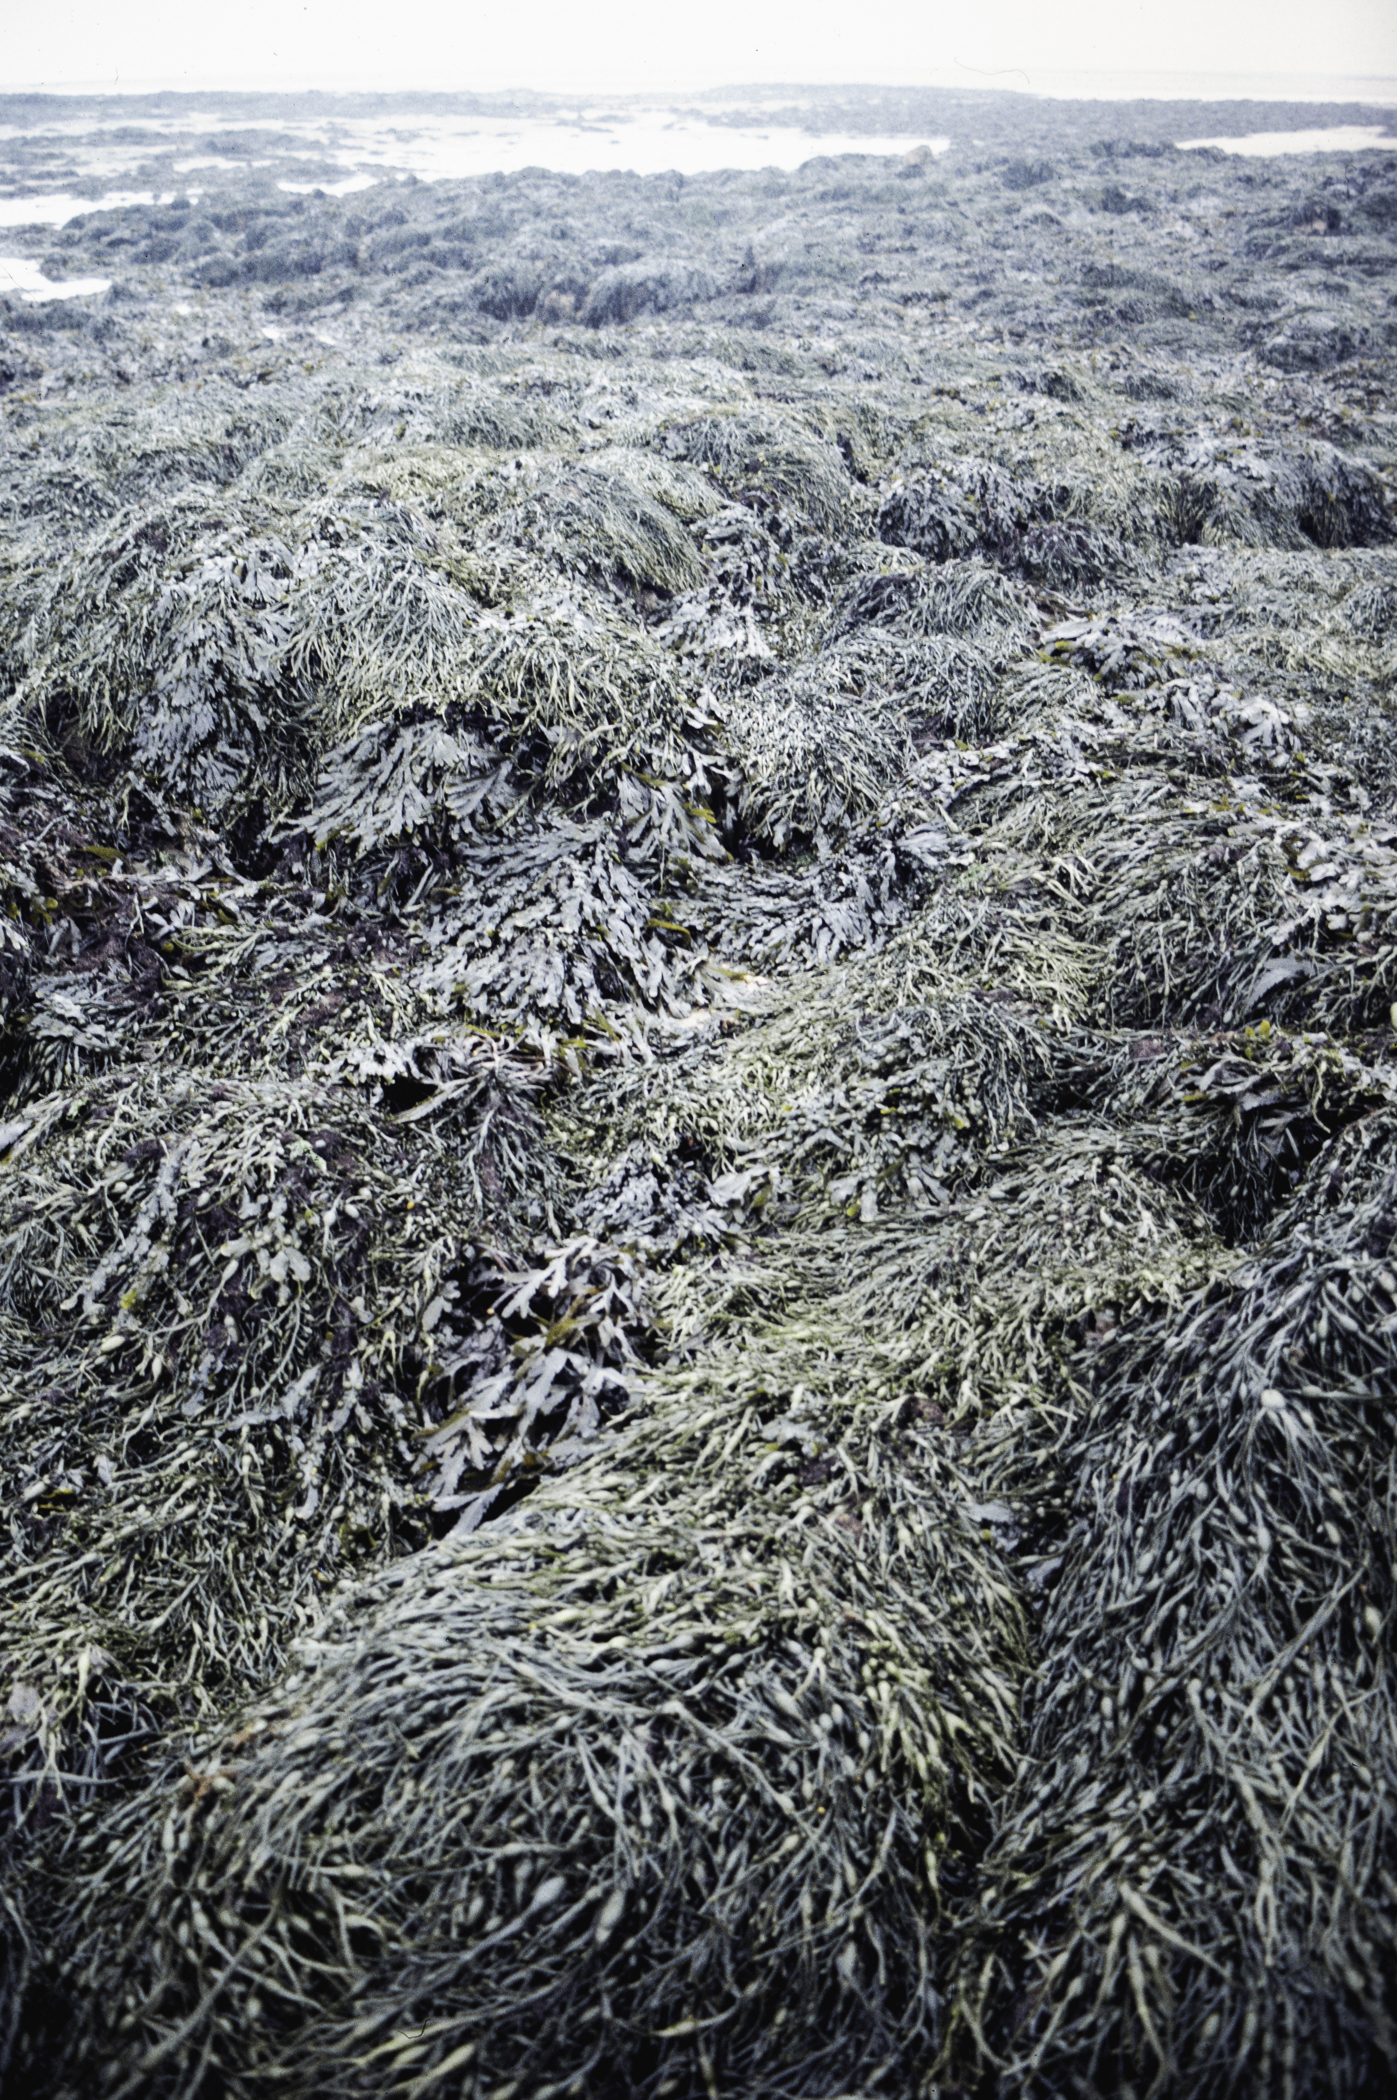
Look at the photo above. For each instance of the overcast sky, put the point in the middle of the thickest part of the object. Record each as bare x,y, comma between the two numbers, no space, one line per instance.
585,46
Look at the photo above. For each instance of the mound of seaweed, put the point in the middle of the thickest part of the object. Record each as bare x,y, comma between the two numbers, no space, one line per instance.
697,994
588,1778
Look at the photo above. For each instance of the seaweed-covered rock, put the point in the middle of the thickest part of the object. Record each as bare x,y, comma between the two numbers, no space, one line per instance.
651,1739
1242,1435
1312,342
698,953
628,290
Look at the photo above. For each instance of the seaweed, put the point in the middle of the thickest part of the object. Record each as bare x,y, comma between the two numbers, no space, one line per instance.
697,993
647,1738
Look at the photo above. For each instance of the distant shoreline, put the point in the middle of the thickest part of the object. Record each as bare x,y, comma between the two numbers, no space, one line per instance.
1041,83
1240,95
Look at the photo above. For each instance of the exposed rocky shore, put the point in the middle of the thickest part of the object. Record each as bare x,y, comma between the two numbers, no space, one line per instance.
698,1156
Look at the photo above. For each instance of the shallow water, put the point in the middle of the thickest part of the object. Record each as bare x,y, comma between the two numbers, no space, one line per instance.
654,142
58,206
1338,138
21,278
344,154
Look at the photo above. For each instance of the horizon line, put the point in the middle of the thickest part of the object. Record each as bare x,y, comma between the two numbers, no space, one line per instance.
974,80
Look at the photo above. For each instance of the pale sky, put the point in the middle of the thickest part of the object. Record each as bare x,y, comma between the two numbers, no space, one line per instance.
591,46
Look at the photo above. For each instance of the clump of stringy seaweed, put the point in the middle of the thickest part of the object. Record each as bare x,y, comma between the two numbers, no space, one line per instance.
654,1789
765,1646
265,1302
1189,1883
